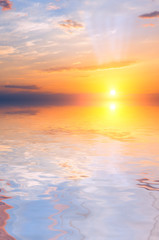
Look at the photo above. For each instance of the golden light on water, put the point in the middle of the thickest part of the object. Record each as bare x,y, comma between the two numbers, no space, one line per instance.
112,106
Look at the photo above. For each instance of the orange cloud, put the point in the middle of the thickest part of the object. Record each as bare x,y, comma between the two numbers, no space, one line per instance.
5,50
106,66
5,4
150,15
148,25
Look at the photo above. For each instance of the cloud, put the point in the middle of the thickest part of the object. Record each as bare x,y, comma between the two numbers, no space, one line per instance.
5,50
52,7
27,26
27,99
106,66
5,4
150,15
27,87
70,25
30,43
148,25
22,112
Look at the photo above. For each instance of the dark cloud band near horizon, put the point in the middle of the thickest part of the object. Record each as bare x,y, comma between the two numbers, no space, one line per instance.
39,99
29,98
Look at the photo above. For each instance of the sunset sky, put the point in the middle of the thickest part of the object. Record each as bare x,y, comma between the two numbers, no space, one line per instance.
86,46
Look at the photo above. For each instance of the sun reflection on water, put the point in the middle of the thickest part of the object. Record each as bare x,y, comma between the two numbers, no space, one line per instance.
112,106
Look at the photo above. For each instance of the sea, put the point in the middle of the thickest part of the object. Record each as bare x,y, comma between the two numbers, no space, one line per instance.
79,172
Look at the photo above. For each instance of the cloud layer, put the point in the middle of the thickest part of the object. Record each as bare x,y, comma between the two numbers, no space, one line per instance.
111,65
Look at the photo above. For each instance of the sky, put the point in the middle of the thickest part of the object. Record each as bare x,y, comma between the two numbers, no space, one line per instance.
79,47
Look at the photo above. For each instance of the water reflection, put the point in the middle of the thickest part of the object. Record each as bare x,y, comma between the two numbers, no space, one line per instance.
74,172
149,185
4,216
60,208
153,187
21,112
112,106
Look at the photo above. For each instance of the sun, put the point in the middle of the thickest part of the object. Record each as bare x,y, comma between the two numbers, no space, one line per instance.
113,92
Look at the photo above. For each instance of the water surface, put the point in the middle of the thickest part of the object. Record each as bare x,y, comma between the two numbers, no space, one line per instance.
72,173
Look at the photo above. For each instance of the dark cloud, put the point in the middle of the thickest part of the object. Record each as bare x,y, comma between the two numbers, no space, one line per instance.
27,87
5,4
106,66
28,99
150,15
22,112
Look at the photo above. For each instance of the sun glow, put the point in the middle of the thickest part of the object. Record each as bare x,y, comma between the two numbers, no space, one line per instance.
112,106
113,92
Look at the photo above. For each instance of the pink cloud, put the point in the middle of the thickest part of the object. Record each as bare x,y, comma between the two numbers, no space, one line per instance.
70,24
52,7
